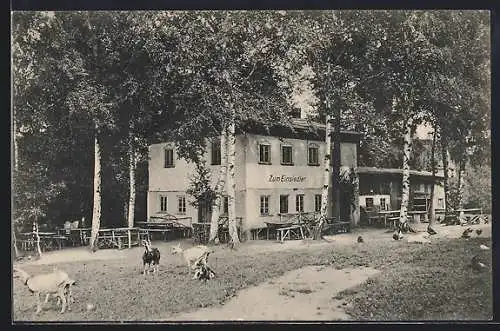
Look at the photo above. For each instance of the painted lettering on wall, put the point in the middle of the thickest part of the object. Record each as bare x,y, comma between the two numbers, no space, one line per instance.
286,179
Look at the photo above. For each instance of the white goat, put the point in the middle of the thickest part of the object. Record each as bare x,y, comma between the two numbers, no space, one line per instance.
56,283
193,256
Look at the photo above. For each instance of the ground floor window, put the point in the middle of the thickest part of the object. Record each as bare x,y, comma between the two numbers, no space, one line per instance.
317,203
382,203
163,203
369,203
181,204
264,204
283,204
440,203
299,203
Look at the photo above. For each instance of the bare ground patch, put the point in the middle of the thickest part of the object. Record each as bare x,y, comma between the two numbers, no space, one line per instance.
304,294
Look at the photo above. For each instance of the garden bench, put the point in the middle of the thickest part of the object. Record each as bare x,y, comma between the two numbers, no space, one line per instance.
149,233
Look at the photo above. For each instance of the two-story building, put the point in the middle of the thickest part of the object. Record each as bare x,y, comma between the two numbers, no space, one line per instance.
276,172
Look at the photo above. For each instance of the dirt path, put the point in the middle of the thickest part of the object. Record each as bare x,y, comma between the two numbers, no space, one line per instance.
82,254
303,294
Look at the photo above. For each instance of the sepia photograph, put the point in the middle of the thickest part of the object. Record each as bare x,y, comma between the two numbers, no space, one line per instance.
251,165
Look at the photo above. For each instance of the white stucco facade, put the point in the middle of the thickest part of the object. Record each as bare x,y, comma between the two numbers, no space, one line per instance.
253,178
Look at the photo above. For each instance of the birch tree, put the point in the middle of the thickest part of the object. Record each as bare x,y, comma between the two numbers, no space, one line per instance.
227,64
214,221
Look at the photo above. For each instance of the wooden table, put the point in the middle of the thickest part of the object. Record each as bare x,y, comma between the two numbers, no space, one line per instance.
82,235
117,237
288,231
419,213
391,215
275,226
166,227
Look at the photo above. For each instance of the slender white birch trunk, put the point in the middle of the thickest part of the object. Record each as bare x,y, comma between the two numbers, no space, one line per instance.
231,187
37,237
461,185
444,155
96,212
132,192
405,197
326,176
432,207
14,242
221,183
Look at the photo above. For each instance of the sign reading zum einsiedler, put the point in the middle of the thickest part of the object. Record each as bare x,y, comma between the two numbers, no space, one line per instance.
286,179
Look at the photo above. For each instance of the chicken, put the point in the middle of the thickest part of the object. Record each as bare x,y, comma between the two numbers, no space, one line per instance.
477,264
431,231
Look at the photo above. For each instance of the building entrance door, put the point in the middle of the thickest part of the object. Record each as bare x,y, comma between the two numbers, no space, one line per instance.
204,211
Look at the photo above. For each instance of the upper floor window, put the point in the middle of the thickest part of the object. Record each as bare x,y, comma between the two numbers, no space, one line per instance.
286,155
313,154
299,203
265,153
163,203
216,152
181,204
264,204
317,203
283,204
169,157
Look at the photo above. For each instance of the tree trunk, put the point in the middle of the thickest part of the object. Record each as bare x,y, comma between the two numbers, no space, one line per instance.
355,212
444,155
132,193
14,140
231,185
405,197
461,185
37,238
432,209
125,210
326,176
96,212
219,189
336,159
14,243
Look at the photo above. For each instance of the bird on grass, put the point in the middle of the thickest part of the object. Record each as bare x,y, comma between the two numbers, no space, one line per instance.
466,233
484,247
479,231
360,239
397,235
430,230
477,264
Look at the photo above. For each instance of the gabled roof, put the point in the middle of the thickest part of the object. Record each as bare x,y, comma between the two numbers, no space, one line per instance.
299,128
393,171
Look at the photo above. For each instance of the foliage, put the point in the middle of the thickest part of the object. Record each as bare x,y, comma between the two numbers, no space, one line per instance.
477,190
199,185
135,78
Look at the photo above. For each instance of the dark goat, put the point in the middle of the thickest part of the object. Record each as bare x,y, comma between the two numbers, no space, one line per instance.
150,256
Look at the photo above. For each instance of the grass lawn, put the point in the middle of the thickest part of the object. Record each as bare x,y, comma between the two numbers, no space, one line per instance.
416,282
